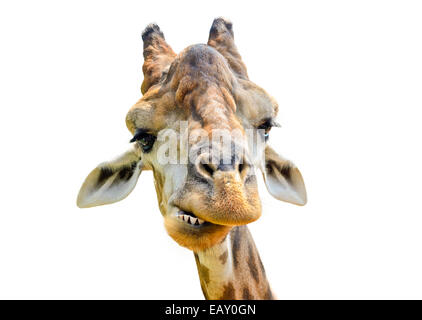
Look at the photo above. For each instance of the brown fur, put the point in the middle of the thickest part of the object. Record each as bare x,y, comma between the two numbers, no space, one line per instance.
229,293
223,257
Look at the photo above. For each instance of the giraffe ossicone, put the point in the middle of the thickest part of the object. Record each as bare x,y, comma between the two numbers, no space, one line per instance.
202,127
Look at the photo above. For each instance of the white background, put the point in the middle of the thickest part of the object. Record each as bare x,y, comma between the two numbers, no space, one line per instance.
348,78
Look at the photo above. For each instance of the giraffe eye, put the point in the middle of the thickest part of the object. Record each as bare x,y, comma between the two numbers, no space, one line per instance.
145,140
266,126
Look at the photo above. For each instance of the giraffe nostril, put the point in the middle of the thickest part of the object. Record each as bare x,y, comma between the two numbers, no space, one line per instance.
207,168
241,167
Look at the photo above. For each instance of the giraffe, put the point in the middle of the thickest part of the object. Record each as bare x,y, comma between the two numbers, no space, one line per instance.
205,202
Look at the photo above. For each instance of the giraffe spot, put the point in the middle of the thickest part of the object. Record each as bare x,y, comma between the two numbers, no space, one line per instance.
205,273
228,293
223,257
246,295
253,268
236,246
261,265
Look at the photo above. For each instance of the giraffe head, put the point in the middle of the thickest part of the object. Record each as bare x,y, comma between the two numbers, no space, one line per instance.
202,127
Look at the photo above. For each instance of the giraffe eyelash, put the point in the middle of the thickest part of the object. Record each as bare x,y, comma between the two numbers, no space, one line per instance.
266,125
145,139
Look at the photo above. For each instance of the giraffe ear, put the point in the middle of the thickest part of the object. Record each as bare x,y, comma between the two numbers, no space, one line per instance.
158,56
110,181
283,179
221,38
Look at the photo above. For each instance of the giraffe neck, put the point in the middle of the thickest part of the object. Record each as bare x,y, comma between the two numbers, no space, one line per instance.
233,269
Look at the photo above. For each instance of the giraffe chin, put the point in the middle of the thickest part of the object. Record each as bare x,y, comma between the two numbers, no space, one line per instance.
195,237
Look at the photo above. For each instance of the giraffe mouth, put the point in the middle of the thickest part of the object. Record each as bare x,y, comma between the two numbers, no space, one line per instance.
192,232
190,218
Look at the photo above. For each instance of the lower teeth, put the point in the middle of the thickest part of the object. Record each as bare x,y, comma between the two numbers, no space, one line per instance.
190,220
